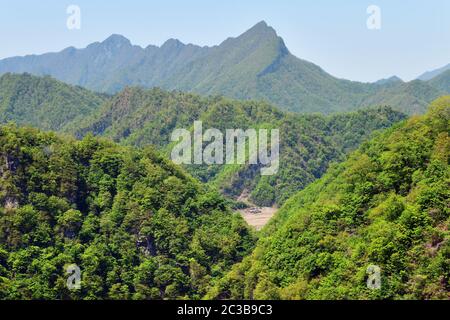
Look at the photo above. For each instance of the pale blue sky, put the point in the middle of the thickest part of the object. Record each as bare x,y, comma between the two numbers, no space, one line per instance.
415,34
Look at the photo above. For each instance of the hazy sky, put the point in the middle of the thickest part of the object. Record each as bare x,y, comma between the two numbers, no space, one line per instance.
414,35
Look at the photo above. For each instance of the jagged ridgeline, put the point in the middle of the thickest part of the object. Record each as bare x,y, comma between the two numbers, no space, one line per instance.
135,224
255,65
386,206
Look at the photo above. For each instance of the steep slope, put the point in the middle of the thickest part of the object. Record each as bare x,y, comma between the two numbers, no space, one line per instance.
387,207
441,81
254,65
308,145
308,142
235,61
434,73
410,97
136,225
44,102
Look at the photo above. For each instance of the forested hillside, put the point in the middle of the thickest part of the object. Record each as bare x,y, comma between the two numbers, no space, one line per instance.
387,205
309,143
44,102
411,97
140,227
180,155
135,224
254,65
140,117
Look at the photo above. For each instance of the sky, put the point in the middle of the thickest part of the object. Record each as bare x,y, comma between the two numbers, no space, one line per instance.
414,35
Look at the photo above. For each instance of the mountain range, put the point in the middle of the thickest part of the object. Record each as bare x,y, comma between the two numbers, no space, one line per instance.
254,65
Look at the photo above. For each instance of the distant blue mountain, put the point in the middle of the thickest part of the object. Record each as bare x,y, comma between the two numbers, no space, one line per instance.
255,65
431,74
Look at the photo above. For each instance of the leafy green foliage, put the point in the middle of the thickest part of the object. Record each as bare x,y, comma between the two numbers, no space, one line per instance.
387,205
136,225
308,142
140,117
43,102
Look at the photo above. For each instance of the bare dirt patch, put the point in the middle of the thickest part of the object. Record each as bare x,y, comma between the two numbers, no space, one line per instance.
255,216
258,219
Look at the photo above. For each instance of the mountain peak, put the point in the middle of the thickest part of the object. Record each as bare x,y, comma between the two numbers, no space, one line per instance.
261,24
172,43
116,40
260,34
390,80
262,28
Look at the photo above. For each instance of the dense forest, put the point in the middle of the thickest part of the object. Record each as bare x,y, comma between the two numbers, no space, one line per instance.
135,224
139,117
308,144
101,193
43,102
386,206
